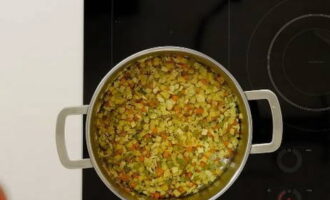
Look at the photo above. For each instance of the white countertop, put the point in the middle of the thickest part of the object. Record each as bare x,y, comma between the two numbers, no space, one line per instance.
41,70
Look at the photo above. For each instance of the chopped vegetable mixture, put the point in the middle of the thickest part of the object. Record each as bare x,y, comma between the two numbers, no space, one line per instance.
167,126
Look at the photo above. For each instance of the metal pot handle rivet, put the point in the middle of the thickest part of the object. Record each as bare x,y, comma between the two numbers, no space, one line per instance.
60,138
276,118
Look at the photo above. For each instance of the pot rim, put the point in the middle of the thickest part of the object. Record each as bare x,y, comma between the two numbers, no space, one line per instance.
169,49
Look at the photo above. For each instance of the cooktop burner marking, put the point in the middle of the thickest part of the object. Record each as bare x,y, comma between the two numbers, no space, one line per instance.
268,62
319,66
254,32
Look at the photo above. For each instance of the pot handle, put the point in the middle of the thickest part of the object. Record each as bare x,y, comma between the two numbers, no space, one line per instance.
60,139
277,120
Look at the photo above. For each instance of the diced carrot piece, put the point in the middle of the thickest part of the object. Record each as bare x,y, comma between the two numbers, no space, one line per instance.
177,109
123,176
123,81
181,189
166,154
133,184
154,130
207,154
147,154
202,164
188,107
159,171
141,158
191,184
210,134
118,152
189,174
204,81
135,146
163,135
199,111
175,97
155,195
153,103
183,65
186,77
135,175
187,159
189,148
230,153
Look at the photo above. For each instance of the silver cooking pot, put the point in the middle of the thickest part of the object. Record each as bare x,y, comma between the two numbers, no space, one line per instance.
244,150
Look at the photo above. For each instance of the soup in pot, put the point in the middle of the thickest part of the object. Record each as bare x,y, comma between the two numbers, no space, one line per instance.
167,126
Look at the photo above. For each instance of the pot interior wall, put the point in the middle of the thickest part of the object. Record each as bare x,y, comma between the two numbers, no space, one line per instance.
228,176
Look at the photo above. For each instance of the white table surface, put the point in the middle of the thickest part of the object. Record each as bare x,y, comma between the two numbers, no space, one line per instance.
41,69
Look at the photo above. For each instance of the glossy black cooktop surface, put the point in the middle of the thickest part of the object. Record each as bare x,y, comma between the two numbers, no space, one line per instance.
283,46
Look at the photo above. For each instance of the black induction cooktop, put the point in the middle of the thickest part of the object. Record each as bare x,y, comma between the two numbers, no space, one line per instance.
283,46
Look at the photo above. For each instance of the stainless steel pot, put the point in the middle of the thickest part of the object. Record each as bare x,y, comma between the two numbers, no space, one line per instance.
245,148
